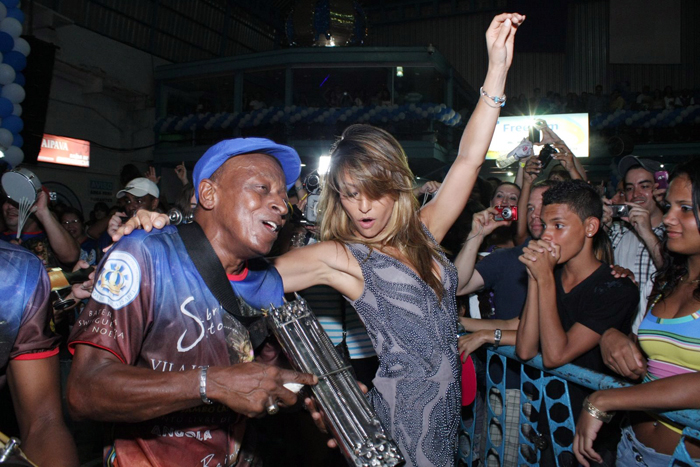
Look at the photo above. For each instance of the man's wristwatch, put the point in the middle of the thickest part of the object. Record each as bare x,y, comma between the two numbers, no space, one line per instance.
497,338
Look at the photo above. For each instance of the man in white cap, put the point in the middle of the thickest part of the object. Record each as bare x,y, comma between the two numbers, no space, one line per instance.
636,240
140,193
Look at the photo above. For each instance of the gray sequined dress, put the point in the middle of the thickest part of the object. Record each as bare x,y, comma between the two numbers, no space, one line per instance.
417,390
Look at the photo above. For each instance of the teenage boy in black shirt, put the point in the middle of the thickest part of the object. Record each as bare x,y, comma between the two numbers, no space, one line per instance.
573,298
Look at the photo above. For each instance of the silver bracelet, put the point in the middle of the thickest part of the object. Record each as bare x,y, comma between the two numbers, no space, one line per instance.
499,101
203,386
595,412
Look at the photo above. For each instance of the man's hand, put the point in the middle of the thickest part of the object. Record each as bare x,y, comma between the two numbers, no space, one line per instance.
540,257
181,172
659,194
151,175
469,343
639,218
587,430
250,388
84,290
318,416
483,223
532,170
619,271
621,354
41,207
146,220
564,156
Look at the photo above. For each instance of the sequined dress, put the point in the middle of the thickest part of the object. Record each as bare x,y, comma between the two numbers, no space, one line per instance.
417,391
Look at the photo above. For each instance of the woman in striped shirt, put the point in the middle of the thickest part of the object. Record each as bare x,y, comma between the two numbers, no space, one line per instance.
669,338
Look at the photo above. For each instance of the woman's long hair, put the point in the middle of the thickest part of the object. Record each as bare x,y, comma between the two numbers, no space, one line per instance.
377,166
675,264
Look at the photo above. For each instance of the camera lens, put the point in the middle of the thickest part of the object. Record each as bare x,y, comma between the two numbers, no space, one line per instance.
507,213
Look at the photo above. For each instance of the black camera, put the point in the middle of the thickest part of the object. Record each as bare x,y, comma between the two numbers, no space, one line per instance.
545,156
312,184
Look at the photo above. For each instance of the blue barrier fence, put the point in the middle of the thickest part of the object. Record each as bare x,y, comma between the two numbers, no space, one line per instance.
533,388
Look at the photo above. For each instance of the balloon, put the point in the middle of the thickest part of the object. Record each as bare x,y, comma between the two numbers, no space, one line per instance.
6,138
3,11
20,79
14,156
13,92
7,74
12,123
17,14
16,60
6,42
5,107
11,26
17,110
10,3
18,140
22,46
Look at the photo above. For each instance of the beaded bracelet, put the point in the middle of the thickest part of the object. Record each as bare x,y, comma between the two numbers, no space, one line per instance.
499,101
595,412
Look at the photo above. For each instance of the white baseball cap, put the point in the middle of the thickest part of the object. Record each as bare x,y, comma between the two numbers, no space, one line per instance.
140,187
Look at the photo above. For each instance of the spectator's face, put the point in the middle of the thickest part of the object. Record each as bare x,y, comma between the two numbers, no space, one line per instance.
134,203
534,210
563,227
11,214
506,195
639,186
251,203
100,215
72,224
680,222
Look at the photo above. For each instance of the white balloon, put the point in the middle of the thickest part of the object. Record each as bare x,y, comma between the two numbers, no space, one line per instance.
7,74
16,110
3,11
13,92
22,46
14,156
5,137
12,27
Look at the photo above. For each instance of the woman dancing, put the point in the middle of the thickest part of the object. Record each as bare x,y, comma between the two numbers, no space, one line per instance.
383,254
669,336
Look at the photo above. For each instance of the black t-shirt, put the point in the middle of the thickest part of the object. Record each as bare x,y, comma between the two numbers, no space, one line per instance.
503,273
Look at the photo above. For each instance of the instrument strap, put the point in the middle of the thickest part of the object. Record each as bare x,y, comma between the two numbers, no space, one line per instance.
212,271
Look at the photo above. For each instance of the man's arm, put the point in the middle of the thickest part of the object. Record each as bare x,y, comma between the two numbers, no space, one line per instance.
64,246
36,395
532,170
482,225
101,387
640,219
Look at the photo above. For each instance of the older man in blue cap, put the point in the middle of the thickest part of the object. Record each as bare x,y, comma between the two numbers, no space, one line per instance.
161,339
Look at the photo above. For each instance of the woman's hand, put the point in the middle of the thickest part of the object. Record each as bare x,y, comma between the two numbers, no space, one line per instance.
499,38
468,343
587,430
483,223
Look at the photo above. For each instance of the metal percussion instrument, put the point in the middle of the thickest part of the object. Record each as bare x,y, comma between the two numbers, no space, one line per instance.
10,453
21,183
362,439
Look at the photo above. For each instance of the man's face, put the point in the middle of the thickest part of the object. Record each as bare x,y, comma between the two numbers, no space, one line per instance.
639,187
11,214
563,227
253,203
72,224
534,210
134,203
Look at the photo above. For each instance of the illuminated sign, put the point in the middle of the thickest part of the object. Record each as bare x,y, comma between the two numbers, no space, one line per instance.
64,151
510,131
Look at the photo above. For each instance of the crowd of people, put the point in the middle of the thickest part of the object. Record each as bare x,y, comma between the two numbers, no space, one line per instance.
395,270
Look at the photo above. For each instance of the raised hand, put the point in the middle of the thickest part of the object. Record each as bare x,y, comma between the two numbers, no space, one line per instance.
151,175
181,172
500,37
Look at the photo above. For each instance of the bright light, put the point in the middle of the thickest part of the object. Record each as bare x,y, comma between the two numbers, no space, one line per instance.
510,174
661,165
324,164
331,43
399,71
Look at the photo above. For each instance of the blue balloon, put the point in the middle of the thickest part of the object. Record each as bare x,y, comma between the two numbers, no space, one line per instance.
20,79
6,107
10,3
18,140
6,42
12,123
15,59
16,13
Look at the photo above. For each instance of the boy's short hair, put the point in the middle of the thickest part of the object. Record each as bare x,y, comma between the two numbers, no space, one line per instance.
578,195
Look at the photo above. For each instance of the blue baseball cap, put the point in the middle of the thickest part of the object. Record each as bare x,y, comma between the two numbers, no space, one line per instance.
222,151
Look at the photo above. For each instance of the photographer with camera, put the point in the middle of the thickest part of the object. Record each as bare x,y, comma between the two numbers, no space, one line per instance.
636,238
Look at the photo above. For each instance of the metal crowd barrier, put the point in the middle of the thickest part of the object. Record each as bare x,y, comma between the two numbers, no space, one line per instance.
532,389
